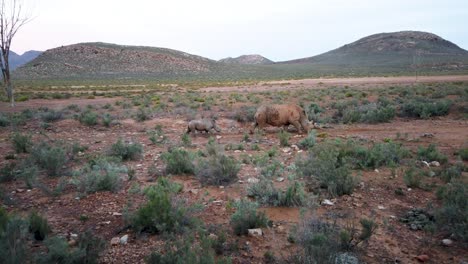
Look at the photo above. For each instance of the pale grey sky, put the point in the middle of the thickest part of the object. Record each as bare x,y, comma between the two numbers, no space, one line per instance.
277,29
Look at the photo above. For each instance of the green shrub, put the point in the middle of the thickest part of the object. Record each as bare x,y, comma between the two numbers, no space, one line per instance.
13,241
142,114
38,226
413,178
453,172
4,120
51,116
52,158
284,138
425,108
380,154
22,98
107,119
323,164
217,168
308,142
58,250
28,171
21,143
162,213
273,169
102,176
463,153
452,216
88,118
186,250
247,217
186,140
431,154
8,172
130,151
245,114
178,161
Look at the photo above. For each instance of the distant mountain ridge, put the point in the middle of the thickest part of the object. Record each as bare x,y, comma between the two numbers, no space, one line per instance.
396,47
385,53
19,60
253,59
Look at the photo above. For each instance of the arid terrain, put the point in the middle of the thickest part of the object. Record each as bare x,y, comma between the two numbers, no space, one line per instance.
158,120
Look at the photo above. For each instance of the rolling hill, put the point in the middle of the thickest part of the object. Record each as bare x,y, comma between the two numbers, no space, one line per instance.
397,53
254,59
397,49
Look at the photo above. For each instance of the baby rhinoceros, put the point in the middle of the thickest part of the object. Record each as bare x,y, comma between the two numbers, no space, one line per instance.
205,124
281,115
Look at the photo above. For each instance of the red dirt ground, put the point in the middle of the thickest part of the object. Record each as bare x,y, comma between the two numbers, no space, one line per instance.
393,242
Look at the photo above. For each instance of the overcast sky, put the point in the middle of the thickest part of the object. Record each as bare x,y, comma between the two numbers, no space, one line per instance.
277,29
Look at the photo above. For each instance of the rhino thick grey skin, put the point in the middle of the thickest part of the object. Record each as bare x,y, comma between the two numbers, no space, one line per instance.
281,116
205,124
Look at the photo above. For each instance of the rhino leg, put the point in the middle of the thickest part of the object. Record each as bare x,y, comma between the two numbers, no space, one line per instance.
297,125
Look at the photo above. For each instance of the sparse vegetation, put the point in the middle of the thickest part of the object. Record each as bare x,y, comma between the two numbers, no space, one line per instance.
126,151
247,217
178,161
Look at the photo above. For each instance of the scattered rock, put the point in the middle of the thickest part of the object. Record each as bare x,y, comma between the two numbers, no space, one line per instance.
123,240
422,258
327,202
218,202
115,241
219,137
447,242
377,170
381,207
253,180
426,163
429,135
194,191
286,150
346,258
255,232
417,219
280,179
295,147
434,163
116,214
20,190
213,236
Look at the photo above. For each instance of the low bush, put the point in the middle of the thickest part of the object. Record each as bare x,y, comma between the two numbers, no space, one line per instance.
51,116
13,240
107,119
431,153
425,108
4,120
163,213
413,177
216,168
38,226
143,114
59,251
247,217
324,165
463,153
126,151
8,172
21,143
178,161
452,216
245,114
452,173
101,176
88,118
284,138
187,250
308,142
52,158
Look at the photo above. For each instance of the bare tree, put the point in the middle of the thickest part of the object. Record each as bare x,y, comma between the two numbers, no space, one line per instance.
11,20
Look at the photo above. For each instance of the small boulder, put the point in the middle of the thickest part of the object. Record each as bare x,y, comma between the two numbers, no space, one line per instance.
435,163
327,202
447,242
124,240
115,241
422,258
255,232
